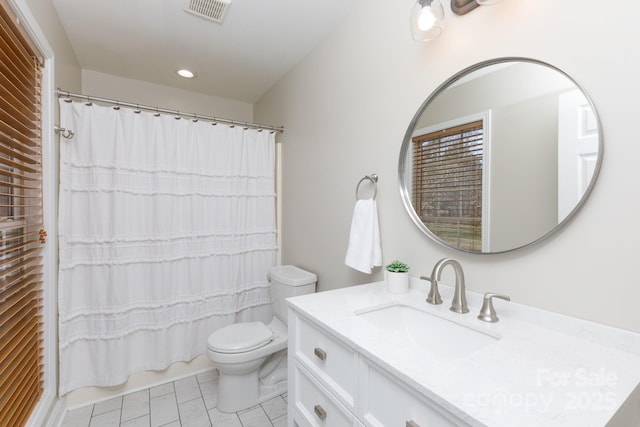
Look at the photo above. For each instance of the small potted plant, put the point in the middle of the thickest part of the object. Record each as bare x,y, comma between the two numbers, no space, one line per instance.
397,277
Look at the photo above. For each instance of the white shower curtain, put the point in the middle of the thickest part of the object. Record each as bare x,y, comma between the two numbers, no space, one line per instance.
167,233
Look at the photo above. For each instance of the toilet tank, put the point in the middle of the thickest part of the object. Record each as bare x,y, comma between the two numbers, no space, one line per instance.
289,281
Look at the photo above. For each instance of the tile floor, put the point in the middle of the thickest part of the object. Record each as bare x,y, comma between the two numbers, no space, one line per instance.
189,402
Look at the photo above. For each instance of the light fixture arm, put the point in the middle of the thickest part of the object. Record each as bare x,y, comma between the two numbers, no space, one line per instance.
462,7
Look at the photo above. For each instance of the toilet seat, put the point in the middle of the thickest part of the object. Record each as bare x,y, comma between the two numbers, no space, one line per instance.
240,337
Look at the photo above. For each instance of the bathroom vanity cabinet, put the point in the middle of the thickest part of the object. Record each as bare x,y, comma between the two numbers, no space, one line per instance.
349,365
323,374
326,374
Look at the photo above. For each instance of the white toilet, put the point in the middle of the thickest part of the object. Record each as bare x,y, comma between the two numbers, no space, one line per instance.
251,356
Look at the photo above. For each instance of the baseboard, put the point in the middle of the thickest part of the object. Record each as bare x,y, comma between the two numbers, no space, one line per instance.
56,416
48,413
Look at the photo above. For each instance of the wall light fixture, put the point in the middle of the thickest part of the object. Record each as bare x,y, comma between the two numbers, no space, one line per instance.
427,16
427,20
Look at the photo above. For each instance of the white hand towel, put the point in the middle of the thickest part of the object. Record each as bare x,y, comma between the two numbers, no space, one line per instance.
364,251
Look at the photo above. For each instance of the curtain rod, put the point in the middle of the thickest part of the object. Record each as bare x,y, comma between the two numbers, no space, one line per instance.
87,98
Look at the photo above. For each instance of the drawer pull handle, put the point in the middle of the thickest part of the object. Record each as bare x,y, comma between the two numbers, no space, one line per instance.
320,353
412,423
320,412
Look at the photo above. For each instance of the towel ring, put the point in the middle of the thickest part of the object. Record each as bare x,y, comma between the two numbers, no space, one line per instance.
373,178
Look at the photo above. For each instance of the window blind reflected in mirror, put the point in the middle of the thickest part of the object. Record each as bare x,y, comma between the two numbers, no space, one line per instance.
447,183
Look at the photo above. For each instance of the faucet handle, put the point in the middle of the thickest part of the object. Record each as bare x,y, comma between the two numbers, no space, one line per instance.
434,295
487,312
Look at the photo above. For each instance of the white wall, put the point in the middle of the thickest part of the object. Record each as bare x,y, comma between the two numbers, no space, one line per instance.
138,92
67,68
346,108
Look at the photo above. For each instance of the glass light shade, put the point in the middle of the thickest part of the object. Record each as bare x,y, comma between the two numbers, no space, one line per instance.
427,20
487,2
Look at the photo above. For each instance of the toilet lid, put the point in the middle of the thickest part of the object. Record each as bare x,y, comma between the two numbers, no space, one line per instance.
240,337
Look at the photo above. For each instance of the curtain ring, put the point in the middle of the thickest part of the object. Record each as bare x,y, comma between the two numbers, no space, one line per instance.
137,110
195,119
88,103
157,113
117,106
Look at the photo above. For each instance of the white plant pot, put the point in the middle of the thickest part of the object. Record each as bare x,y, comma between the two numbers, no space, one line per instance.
397,283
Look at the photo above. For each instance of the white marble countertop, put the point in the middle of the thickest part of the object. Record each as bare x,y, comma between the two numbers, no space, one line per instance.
545,370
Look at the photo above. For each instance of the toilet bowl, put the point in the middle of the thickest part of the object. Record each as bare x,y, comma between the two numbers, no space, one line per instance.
251,356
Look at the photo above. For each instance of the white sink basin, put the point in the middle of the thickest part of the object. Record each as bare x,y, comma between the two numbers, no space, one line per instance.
431,332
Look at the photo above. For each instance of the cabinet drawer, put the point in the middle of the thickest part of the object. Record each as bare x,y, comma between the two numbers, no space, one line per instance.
315,406
384,402
332,363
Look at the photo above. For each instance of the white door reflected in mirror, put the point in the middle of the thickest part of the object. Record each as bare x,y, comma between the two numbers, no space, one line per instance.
577,149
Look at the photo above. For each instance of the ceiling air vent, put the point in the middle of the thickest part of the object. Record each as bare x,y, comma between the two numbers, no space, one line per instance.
212,10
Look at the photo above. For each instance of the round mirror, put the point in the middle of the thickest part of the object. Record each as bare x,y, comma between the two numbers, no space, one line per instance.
500,156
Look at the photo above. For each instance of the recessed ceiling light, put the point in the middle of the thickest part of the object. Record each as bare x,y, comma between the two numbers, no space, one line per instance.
186,74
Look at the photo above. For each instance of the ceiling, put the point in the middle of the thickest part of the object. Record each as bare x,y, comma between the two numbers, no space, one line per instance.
241,59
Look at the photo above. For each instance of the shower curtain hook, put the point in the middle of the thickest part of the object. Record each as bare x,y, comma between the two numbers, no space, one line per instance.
177,117
157,113
195,119
137,110
117,106
88,103
68,98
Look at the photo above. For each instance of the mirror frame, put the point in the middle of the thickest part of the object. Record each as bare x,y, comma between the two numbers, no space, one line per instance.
406,144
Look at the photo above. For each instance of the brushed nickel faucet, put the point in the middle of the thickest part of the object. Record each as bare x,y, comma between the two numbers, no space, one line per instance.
459,303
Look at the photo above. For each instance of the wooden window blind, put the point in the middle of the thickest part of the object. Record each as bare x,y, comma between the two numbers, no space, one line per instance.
447,183
21,222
